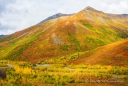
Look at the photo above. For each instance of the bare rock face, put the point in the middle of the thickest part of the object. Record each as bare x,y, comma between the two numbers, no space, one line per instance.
56,39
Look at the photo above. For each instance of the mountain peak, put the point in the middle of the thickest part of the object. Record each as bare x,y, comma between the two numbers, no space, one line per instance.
54,16
89,8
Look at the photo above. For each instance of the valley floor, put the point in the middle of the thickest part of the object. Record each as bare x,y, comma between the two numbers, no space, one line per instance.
27,74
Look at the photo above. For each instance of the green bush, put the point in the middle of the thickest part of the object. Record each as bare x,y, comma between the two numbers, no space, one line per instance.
64,46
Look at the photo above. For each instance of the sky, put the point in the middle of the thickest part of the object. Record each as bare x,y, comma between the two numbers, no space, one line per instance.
16,15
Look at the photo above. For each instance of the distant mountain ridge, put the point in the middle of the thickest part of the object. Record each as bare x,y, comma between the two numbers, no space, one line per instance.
54,16
1,36
124,15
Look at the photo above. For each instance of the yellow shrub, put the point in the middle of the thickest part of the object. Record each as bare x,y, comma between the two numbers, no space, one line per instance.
24,70
109,67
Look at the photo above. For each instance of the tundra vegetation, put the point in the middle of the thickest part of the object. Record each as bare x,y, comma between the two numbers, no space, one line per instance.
27,74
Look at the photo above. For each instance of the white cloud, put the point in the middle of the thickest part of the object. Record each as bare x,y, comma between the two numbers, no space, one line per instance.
16,15
119,8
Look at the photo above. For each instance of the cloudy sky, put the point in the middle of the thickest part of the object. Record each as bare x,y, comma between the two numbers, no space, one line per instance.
16,15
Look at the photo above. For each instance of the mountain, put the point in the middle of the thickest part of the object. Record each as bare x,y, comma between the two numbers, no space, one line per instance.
54,16
1,36
63,36
123,15
112,54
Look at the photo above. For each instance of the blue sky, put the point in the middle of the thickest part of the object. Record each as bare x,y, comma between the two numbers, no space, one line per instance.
16,15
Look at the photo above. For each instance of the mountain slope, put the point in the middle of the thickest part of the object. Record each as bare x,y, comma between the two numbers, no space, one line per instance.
83,31
112,54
